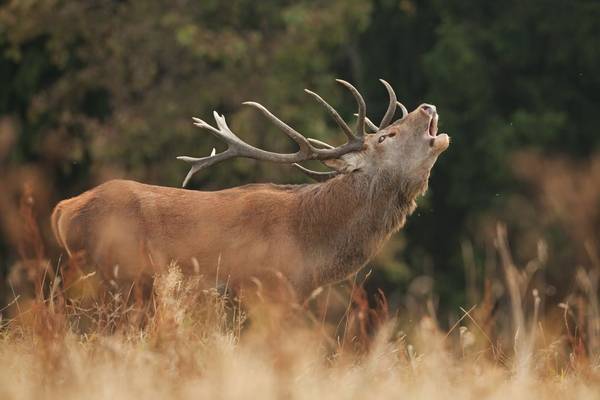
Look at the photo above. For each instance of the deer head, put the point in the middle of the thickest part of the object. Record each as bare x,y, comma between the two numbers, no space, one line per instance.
406,148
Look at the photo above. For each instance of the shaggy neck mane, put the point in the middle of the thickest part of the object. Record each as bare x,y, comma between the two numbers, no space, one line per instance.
345,220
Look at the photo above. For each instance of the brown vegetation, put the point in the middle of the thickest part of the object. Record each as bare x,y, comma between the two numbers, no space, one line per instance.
191,341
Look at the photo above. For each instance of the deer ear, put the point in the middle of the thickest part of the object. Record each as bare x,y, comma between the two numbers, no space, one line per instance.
346,163
337,164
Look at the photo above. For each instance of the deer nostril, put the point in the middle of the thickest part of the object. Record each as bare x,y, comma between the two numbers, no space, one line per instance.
428,108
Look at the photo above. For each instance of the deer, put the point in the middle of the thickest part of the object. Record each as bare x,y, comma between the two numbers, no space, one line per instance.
310,234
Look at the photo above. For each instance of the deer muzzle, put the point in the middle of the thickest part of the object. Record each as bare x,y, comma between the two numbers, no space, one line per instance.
437,142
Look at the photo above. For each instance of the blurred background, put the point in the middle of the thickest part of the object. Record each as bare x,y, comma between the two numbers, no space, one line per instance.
93,90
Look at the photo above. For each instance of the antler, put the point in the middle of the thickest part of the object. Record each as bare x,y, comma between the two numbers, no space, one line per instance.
306,150
307,146
390,112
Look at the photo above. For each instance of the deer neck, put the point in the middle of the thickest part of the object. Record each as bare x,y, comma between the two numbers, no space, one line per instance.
346,220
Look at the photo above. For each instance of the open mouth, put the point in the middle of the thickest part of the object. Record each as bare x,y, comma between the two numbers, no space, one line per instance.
433,126
437,142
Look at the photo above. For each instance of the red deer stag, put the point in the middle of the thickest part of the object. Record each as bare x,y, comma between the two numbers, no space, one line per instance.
310,234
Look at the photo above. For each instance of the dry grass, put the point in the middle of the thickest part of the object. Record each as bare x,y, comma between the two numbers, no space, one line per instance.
63,338
192,342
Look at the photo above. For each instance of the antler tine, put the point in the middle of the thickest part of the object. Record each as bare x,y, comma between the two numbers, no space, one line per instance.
205,125
362,108
285,128
404,110
203,162
369,123
316,175
320,143
391,110
336,116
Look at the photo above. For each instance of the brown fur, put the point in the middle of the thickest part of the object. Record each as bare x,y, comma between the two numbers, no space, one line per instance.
309,235
312,234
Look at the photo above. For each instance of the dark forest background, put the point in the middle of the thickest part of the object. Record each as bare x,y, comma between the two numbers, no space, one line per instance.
92,90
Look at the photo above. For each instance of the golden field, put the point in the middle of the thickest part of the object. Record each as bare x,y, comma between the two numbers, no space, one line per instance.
192,341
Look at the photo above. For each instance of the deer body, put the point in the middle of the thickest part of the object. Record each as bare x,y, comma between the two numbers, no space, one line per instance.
309,235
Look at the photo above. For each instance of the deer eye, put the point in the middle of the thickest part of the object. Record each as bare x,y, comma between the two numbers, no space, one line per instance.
383,137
